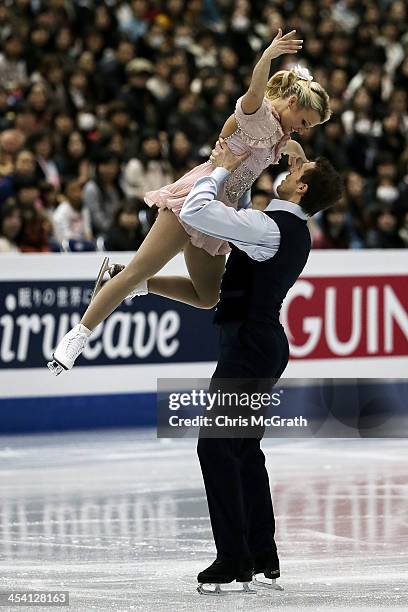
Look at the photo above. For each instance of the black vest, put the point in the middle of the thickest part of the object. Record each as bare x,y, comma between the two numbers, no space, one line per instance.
254,290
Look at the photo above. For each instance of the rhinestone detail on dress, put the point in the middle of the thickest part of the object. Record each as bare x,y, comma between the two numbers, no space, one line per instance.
239,182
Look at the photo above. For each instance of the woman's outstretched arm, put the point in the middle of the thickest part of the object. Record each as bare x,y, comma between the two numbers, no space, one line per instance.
252,100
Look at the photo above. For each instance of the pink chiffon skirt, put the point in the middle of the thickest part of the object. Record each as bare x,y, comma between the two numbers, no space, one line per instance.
172,196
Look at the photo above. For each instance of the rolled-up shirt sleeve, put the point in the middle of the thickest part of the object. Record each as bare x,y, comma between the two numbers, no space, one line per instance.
250,230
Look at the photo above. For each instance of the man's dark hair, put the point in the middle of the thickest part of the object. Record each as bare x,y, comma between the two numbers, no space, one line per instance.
325,187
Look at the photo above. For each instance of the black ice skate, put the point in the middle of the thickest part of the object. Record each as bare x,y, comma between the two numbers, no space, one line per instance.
268,566
224,571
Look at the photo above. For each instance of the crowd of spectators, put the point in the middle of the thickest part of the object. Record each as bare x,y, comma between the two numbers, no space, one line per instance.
103,101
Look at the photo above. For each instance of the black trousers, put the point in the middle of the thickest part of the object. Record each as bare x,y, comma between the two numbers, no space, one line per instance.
234,472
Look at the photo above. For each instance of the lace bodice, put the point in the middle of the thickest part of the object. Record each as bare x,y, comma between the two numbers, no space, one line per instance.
262,134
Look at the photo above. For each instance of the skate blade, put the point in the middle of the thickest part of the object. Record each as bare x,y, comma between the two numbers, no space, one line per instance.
219,593
272,585
98,284
55,367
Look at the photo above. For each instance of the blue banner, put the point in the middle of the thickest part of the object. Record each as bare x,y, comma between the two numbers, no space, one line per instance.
35,315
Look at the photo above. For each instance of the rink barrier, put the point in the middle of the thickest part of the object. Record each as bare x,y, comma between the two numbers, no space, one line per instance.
345,317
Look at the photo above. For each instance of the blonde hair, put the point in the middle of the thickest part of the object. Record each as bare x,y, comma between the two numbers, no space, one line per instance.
310,94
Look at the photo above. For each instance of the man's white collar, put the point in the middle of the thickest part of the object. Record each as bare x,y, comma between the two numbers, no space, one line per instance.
291,207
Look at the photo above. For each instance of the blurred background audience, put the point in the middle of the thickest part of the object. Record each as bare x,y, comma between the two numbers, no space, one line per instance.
103,101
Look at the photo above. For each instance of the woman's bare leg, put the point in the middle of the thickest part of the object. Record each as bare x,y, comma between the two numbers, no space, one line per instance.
206,272
202,288
166,238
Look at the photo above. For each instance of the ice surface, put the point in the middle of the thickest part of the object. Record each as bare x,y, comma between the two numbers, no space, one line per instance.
119,519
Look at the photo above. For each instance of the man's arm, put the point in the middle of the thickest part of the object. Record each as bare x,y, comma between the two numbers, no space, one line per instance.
250,230
202,211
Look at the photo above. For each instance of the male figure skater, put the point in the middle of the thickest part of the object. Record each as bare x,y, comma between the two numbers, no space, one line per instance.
269,251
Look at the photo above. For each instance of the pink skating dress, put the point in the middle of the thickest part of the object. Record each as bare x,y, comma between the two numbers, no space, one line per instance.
260,133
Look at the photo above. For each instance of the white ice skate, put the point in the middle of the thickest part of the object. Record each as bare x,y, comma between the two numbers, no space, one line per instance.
70,347
113,270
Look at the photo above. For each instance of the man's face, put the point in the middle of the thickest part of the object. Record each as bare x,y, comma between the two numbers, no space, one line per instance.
292,184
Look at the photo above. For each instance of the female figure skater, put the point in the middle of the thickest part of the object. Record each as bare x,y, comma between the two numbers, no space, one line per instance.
258,132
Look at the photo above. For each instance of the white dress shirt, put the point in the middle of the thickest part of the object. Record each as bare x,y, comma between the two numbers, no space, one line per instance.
250,230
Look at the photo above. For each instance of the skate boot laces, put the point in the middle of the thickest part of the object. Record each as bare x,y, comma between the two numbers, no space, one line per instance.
75,345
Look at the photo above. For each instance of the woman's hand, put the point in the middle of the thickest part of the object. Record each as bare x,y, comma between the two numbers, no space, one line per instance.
282,44
252,100
295,153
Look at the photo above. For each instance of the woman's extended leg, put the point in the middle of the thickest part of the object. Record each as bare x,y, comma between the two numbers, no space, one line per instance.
202,288
165,239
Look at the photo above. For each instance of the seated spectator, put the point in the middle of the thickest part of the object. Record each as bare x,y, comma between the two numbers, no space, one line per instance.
189,118
23,167
113,69
361,126
219,112
72,221
358,197
105,23
38,97
158,84
134,18
52,69
73,161
392,137
13,68
334,231
79,92
204,48
180,86
329,143
149,172
360,113
102,194
63,125
50,198
119,121
126,233
384,187
47,169
181,153
139,101
25,120
37,229
10,227
11,141
94,76
384,234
